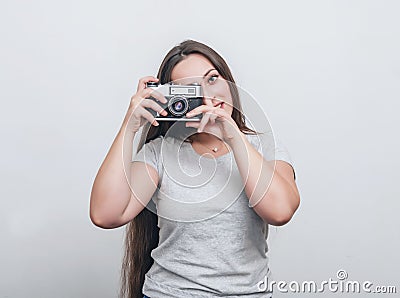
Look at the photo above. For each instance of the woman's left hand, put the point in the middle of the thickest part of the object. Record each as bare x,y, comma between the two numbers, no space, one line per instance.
215,116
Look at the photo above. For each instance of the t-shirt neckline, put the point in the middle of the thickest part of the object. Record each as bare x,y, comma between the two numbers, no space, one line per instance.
203,155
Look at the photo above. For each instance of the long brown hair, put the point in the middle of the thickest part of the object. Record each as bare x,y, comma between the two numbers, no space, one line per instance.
142,232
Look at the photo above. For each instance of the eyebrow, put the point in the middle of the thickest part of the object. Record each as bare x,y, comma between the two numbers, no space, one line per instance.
208,72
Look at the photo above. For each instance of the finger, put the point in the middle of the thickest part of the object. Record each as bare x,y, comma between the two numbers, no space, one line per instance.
148,103
144,80
192,124
199,110
150,93
221,113
146,93
204,122
149,117
158,96
212,118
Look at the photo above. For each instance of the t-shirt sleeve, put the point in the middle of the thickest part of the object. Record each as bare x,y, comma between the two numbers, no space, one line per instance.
272,148
149,153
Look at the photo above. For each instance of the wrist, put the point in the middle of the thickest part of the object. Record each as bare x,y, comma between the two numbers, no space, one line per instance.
126,131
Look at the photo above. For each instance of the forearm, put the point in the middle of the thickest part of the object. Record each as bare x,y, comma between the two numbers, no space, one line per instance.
272,195
111,192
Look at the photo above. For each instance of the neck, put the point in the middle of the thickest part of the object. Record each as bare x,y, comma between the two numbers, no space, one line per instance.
206,138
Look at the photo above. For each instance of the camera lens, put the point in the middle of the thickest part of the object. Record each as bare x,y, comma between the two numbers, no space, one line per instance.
178,105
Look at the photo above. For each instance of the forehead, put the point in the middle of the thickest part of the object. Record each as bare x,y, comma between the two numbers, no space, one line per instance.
194,65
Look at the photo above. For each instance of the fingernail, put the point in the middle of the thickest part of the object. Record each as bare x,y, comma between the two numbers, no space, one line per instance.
199,130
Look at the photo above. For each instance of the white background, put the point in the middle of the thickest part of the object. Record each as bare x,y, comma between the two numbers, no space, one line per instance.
326,72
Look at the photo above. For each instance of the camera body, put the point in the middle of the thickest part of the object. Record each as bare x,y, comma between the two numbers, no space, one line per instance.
181,99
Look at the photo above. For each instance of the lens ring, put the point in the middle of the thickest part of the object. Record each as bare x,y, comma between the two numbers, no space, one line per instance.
172,103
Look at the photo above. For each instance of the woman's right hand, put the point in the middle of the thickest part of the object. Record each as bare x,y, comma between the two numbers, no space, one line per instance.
137,114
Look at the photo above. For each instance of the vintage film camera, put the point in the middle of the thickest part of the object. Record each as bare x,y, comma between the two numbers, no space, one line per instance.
181,99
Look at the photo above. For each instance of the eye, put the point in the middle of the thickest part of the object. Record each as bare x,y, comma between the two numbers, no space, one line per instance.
212,79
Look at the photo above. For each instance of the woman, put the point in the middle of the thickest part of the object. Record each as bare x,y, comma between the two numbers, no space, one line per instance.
191,247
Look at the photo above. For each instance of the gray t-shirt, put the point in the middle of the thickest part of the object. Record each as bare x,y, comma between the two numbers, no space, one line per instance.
211,243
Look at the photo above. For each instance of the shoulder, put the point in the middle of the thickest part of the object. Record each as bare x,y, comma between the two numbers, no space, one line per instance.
251,137
157,140
270,146
162,144
260,141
